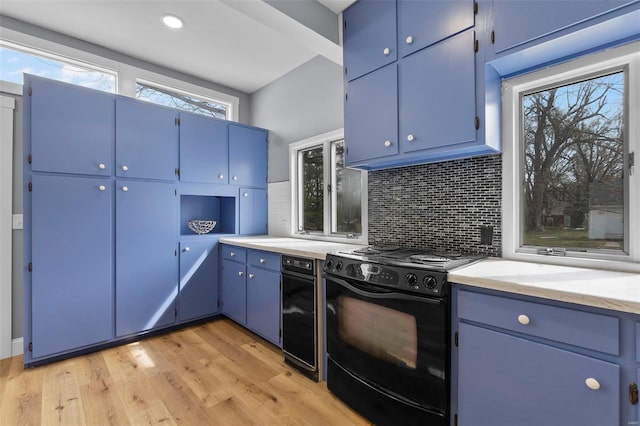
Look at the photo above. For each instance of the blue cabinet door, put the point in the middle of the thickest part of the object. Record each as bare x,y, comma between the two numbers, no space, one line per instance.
146,255
517,22
437,95
72,245
423,23
234,291
146,140
253,211
203,149
263,303
369,36
72,128
247,156
198,279
371,116
506,380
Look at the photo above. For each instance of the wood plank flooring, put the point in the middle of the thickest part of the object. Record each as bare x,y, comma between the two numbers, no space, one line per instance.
211,374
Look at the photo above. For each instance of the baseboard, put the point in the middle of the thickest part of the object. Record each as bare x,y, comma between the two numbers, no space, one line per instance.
17,347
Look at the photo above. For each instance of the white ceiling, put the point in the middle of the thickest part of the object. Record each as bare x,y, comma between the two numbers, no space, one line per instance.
242,44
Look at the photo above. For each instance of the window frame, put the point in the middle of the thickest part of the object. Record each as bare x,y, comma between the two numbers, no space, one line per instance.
622,58
325,140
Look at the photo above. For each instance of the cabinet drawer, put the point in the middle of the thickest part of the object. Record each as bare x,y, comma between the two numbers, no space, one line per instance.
234,253
584,329
264,259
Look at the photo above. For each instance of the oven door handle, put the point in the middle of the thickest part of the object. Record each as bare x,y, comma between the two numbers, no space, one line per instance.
385,295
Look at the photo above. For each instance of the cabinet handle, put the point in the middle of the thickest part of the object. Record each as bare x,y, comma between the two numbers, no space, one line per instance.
246,194
251,275
386,51
523,319
187,249
102,166
387,143
592,383
262,260
220,176
102,187
232,254
410,138
240,273
409,40
125,168
235,178
125,189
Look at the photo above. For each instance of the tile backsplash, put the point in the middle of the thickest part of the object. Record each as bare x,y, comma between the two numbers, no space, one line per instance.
439,206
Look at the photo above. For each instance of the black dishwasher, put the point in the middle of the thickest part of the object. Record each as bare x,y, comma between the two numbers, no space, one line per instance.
299,320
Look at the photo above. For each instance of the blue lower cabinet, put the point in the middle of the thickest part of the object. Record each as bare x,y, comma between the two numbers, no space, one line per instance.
234,291
198,295
146,256
263,302
253,211
507,380
72,279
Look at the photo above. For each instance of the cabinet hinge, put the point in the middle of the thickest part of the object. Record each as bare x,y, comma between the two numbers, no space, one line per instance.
30,346
475,8
30,267
455,339
280,333
476,46
175,252
29,158
455,420
493,37
345,70
345,24
346,97
175,192
177,121
30,186
477,123
30,93
175,312
633,393
177,171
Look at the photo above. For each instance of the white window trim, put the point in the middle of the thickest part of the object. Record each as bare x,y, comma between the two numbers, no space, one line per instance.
126,75
294,173
628,55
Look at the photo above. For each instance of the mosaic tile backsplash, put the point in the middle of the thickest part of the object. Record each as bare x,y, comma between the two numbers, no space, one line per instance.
439,206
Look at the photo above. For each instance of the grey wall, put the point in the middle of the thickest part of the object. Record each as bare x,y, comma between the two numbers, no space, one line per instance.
303,103
312,14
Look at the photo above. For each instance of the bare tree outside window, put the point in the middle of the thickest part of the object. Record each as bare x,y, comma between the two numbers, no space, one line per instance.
574,147
182,101
312,196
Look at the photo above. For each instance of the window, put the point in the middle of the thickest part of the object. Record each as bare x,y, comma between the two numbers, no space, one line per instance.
175,98
14,61
570,134
329,199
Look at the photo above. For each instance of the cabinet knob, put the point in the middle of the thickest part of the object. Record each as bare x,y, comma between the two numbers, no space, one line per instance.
240,273
125,189
409,40
592,383
245,194
523,319
387,143
251,275
102,166
262,260
125,168
386,51
220,176
187,249
410,138
102,187
232,254
235,178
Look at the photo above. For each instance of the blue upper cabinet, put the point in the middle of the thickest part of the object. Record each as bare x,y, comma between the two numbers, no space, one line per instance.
440,110
203,149
423,23
72,128
248,156
253,211
146,140
369,37
371,115
519,22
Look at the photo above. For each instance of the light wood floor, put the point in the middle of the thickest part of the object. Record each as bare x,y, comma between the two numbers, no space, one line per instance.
211,374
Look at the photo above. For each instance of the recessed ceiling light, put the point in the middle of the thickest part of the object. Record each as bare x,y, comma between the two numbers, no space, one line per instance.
172,21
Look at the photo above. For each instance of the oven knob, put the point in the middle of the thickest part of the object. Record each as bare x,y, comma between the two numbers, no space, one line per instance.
328,264
430,282
411,279
338,266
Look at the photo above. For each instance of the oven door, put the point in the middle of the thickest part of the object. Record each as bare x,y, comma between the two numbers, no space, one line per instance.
396,342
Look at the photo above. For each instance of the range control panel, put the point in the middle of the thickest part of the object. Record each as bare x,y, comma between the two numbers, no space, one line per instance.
412,280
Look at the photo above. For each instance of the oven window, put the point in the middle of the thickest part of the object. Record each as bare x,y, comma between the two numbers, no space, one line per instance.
384,333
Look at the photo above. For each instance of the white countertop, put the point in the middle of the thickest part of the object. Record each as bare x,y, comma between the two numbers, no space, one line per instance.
618,291
313,249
